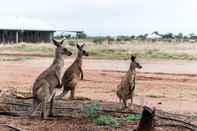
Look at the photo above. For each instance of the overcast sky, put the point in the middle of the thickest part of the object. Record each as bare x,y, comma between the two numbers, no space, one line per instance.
109,17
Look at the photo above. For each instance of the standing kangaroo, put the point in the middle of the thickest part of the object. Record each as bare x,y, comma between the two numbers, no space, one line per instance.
45,86
127,85
73,73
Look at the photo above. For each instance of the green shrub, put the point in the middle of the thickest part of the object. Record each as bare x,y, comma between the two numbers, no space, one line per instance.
134,117
98,40
71,42
194,116
108,120
91,109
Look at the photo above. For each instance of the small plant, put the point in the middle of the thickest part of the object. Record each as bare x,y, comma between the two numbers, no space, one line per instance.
91,109
98,40
194,116
71,42
134,117
108,120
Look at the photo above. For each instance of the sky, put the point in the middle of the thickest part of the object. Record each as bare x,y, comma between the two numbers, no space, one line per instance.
109,17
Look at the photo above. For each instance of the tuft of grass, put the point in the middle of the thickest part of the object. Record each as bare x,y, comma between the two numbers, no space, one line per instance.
134,117
108,120
155,96
194,116
15,58
71,43
91,109
109,53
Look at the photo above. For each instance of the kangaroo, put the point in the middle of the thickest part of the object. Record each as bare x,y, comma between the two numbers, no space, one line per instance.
127,85
73,73
45,86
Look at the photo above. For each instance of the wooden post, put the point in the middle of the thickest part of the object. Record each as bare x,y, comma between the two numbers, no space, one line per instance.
146,122
17,37
3,38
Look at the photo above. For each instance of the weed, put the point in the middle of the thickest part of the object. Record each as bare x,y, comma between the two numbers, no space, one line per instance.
108,120
72,43
91,109
133,117
194,116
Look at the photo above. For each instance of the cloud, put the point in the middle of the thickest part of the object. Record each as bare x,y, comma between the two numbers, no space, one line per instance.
109,17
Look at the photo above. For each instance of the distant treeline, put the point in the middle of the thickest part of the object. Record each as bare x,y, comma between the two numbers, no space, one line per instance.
169,37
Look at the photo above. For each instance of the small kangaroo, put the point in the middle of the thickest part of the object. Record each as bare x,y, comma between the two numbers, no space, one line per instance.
73,73
127,85
45,86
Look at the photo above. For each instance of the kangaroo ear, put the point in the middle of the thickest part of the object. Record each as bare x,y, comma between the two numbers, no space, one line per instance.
78,46
133,58
62,41
82,45
55,42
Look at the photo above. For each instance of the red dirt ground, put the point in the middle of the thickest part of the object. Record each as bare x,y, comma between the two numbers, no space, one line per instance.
170,85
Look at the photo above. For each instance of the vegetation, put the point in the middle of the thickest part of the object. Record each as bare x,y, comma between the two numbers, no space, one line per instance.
194,116
140,37
108,120
116,50
169,46
91,109
133,117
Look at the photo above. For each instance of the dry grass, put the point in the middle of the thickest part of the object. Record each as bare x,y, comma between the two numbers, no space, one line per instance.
117,50
162,50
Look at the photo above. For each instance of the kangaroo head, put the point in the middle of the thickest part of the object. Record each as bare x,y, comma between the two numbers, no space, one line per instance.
134,64
61,50
81,51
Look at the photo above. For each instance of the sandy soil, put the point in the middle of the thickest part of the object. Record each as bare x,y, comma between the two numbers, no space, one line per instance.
170,85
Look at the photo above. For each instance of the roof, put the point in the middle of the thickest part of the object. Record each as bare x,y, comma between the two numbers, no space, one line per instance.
153,36
24,23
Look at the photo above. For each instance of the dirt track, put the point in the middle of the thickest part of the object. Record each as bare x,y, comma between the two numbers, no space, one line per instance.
165,84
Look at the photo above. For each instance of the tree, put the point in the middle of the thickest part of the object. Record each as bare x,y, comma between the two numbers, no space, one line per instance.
168,36
81,35
122,38
132,37
67,36
179,36
109,39
142,37
192,36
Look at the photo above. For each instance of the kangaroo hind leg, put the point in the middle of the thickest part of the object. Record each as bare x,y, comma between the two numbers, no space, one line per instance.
36,105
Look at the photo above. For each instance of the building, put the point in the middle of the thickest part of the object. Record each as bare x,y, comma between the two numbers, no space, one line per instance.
154,36
23,29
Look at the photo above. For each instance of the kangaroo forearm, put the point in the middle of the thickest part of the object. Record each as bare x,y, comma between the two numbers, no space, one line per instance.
58,79
81,71
81,75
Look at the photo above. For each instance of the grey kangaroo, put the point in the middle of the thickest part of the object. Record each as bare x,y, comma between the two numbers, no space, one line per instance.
45,86
127,85
73,73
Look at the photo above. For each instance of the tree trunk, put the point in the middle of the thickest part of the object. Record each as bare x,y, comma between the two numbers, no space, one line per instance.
146,122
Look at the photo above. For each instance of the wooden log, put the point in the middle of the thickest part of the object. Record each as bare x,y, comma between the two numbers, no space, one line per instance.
146,122
15,103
